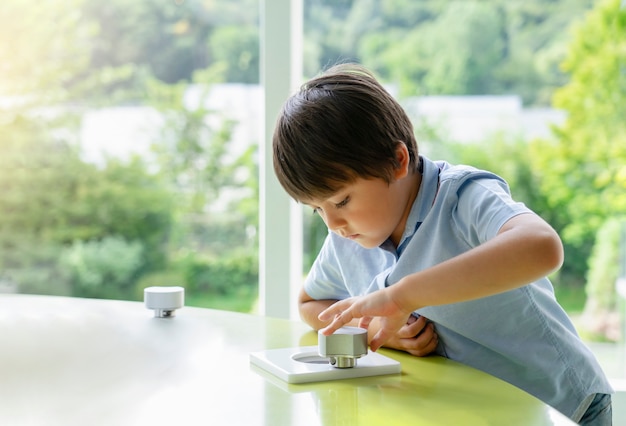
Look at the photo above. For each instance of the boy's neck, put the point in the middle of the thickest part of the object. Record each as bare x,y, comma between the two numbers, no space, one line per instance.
412,183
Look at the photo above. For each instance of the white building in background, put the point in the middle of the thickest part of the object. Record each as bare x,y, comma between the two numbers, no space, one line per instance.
122,131
471,119
118,132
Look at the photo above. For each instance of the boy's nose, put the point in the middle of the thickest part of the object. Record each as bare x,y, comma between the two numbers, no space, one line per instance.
334,221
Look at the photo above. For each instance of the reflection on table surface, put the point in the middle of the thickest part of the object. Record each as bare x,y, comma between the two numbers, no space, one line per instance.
68,361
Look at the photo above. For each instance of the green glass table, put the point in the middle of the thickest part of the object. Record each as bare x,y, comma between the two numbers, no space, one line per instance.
68,361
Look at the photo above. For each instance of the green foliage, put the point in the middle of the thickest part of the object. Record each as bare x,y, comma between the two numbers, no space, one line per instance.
454,54
75,54
39,49
237,47
104,50
171,39
105,269
584,172
38,174
243,302
602,315
571,298
52,198
236,273
32,265
460,47
604,266
213,234
192,150
133,202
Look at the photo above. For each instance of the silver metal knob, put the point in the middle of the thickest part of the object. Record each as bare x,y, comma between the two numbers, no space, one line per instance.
164,300
344,346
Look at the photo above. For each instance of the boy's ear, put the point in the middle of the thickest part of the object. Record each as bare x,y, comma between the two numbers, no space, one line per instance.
402,155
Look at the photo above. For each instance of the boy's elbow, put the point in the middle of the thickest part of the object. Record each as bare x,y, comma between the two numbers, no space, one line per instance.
551,250
542,246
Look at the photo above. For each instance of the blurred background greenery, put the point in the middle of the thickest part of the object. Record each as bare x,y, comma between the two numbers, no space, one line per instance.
186,211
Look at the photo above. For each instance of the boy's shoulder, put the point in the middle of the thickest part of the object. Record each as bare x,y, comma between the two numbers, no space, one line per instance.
460,173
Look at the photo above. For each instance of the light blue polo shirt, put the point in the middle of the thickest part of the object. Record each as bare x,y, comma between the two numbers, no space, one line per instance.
522,336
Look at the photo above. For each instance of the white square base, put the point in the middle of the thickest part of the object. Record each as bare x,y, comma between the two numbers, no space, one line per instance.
304,365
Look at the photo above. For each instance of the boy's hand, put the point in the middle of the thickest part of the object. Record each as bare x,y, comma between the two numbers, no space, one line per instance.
378,304
417,337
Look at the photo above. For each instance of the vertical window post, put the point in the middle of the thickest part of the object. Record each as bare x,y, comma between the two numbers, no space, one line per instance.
280,220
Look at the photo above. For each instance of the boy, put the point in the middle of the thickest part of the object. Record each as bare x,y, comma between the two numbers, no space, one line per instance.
413,239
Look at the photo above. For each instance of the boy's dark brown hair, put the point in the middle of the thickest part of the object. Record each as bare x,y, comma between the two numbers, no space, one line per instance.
338,127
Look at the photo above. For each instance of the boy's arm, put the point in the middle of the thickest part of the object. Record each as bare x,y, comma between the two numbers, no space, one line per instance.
417,337
525,249
310,308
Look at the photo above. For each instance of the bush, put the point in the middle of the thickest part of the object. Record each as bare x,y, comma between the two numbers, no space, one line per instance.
604,265
601,310
224,275
31,266
104,268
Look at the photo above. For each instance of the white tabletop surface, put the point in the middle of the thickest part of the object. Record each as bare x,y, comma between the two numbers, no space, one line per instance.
67,361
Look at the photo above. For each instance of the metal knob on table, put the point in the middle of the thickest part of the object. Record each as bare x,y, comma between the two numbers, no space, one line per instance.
344,346
164,300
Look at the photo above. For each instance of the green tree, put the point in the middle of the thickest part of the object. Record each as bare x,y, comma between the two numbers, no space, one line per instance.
584,171
459,50
171,39
51,198
237,47
42,48
460,47
192,149
104,268
601,315
536,35
217,193
127,199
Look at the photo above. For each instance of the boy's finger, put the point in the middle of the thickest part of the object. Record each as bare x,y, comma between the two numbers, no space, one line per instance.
340,320
379,340
334,310
328,313
365,322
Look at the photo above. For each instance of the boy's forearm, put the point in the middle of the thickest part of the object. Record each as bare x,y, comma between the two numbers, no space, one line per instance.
514,258
309,311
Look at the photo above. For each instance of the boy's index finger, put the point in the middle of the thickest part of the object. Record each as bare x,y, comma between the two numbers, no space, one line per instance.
339,321
334,310
331,328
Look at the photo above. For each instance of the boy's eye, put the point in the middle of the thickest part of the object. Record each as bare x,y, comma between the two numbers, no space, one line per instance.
342,203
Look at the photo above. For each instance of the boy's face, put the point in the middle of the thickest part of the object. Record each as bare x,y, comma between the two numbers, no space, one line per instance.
367,211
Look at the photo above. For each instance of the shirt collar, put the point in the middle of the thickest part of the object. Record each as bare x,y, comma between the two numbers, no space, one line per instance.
423,202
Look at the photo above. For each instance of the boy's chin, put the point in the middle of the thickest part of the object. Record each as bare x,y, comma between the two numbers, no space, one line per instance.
368,244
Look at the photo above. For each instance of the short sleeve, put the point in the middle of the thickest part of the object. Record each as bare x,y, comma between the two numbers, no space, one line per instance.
484,205
325,280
